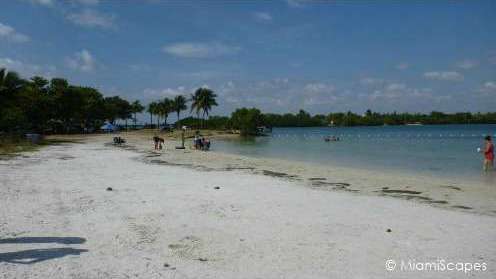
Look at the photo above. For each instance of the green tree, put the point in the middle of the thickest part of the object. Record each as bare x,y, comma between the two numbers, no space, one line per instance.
247,120
164,108
152,110
178,105
136,108
202,101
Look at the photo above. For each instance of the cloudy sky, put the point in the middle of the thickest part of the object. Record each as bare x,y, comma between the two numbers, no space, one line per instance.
276,55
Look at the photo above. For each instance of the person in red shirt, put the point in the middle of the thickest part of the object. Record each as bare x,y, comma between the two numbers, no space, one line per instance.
488,154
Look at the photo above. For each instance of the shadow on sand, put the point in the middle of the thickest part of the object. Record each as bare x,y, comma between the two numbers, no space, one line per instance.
38,255
60,240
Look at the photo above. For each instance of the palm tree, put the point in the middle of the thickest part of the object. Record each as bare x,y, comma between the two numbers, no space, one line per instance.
202,101
195,104
178,105
152,109
164,108
9,82
136,108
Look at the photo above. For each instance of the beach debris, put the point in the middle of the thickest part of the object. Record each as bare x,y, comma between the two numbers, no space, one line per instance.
216,187
202,259
316,178
462,207
277,174
166,265
109,189
341,186
388,230
451,187
401,192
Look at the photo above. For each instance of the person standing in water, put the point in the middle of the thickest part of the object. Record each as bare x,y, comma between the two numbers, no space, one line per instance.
488,154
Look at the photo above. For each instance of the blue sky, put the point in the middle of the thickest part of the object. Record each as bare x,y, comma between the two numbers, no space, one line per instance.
279,56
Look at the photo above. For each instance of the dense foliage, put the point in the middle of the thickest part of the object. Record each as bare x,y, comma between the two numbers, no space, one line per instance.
247,120
55,106
369,118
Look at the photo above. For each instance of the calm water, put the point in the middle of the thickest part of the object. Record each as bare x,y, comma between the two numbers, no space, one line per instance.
440,150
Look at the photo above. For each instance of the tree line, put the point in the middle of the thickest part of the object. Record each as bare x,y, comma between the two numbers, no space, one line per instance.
55,106
247,120
202,101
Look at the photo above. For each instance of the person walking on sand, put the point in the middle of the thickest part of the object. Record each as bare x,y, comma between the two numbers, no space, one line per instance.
156,140
488,154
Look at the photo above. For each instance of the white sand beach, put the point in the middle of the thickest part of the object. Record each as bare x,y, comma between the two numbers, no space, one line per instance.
167,219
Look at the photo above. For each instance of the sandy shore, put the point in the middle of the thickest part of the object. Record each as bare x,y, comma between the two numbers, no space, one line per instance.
456,194
187,214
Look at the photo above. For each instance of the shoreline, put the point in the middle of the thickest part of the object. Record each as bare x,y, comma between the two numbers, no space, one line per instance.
196,221
454,194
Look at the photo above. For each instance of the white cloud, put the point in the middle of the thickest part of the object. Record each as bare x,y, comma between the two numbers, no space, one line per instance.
490,85
396,87
262,16
449,76
319,87
140,67
88,2
467,64
371,81
319,94
492,57
10,34
92,18
82,61
394,92
200,50
201,75
296,3
402,66
43,2
26,70
164,93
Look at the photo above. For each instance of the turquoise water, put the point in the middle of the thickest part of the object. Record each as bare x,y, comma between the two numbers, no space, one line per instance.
439,150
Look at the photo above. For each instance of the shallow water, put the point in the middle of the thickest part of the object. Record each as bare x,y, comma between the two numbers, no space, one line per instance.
437,150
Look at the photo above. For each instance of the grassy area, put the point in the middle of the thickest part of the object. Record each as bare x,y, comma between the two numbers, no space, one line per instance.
11,145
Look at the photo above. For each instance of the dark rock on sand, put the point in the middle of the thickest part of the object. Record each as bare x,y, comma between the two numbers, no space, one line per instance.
202,259
109,189
388,230
216,187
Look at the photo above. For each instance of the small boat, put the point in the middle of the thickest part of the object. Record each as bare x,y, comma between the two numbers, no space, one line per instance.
331,138
264,130
414,124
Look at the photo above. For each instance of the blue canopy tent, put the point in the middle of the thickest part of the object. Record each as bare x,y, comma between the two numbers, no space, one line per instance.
107,127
